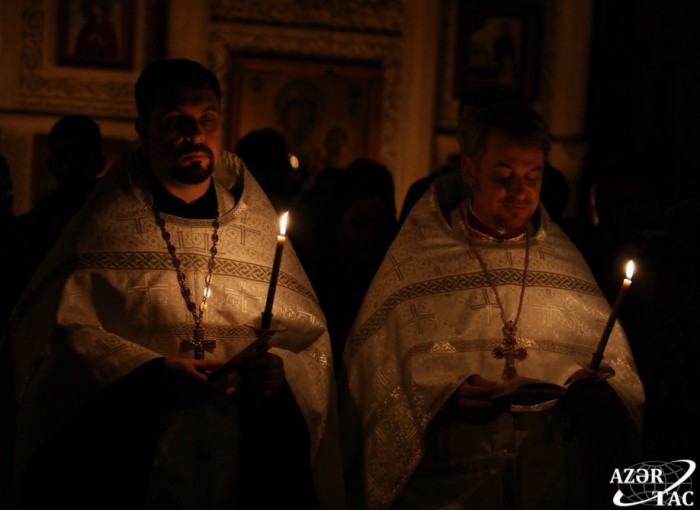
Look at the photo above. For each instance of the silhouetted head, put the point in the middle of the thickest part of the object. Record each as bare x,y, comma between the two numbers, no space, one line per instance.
264,151
75,152
365,218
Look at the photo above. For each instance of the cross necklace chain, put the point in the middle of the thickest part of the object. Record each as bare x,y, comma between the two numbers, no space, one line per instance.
198,343
509,349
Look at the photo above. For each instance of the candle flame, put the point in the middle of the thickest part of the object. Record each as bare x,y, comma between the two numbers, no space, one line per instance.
283,223
630,269
293,161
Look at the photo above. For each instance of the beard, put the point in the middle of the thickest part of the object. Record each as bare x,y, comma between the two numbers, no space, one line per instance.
194,173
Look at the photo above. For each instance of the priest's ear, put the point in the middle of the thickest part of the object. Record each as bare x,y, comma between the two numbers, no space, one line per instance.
468,170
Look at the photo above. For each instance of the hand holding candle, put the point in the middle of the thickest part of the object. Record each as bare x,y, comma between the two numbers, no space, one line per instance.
626,283
281,238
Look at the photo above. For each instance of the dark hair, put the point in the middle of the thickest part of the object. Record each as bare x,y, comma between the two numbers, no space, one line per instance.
86,8
485,96
168,75
263,151
514,120
76,127
368,177
478,98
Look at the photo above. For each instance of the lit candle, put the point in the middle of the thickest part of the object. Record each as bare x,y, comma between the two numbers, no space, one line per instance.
626,283
281,238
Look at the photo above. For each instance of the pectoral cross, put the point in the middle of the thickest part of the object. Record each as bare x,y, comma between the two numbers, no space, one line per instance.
509,351
198,344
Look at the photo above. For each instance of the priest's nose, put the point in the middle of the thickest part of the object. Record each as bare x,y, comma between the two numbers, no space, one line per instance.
188,127
517,187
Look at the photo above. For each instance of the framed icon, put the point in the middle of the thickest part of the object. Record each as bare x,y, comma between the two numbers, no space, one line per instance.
95,33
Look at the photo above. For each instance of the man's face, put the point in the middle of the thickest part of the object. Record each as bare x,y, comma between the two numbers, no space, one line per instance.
506,182
183,135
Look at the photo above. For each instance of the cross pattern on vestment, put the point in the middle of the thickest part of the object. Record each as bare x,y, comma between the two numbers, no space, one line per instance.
73,296
198,344
548,306
417,318
138,218
396,266
304,315
196,241
244,229
543,251
573,269
109,348
146,288
417,227
475,304
509,351
243,295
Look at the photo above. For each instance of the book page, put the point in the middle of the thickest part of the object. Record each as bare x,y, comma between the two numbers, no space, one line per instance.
527,391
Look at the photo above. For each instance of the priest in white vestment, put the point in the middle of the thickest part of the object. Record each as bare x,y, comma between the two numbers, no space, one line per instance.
157,281
469,296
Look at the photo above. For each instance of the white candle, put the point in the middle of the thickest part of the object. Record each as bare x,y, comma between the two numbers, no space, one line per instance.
281,238
626,283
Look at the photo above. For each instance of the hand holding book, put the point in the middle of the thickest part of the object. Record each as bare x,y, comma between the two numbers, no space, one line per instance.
590,394
261,372
262,343
525,391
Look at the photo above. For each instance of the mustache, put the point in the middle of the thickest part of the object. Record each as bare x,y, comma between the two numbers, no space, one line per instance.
188,147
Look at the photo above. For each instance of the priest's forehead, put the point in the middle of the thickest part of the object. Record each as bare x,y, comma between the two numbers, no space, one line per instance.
174,98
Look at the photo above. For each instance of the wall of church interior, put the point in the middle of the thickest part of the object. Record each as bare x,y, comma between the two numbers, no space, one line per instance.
398,59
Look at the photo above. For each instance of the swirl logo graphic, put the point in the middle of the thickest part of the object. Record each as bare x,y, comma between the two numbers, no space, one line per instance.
655,483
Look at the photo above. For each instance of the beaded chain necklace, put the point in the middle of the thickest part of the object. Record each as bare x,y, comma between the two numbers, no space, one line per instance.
198,343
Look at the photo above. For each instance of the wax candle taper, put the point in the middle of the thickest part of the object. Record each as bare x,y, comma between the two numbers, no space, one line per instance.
626,283
281,238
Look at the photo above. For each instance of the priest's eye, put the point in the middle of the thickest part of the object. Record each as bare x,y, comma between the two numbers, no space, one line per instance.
209,121
534,177
503,177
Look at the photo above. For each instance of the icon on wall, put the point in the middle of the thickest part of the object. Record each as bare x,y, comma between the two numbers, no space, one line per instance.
95,33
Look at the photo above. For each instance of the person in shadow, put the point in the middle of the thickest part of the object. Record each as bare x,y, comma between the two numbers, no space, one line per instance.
7,216
76,160
264,151
659,317
626,201
356,222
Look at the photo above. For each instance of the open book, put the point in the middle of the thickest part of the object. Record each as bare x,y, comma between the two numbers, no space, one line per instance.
525,391
262,343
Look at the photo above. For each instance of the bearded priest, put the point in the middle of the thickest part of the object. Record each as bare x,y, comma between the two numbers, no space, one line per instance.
158,281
